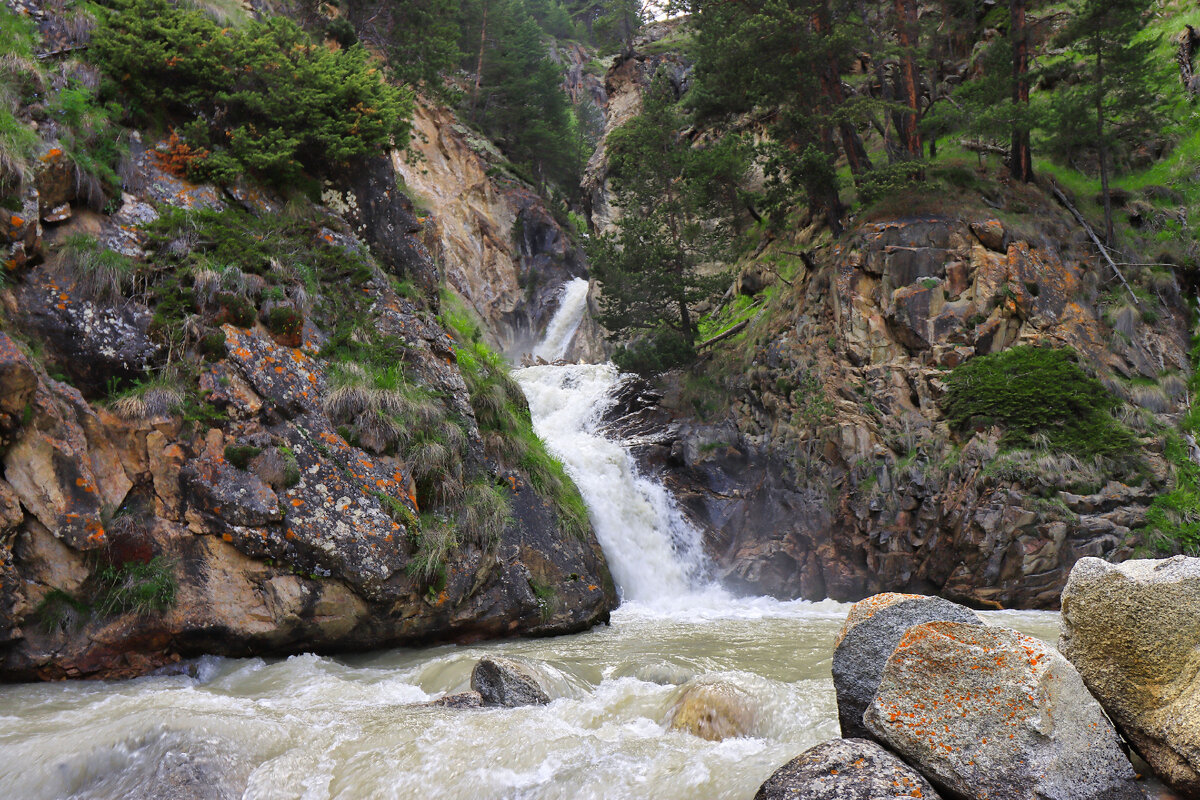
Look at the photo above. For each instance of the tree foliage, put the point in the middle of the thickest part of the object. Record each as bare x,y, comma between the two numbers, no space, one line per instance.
673,231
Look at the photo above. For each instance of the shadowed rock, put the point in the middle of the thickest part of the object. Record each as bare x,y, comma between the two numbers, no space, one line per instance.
714,711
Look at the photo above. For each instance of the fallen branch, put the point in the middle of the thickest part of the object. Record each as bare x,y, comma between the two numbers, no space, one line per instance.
983,147
724,334
1062,198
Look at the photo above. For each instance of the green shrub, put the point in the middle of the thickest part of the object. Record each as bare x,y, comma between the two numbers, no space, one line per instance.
212,346
262,97
235,309
658,352
285,321
240,455
1033,391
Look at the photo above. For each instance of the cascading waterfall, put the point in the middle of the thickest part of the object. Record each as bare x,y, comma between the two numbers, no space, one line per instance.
653,551
571,305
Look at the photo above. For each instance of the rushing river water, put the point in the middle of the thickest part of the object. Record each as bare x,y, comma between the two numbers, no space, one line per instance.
352,727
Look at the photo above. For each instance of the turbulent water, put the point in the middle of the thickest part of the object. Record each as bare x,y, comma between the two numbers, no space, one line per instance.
353,727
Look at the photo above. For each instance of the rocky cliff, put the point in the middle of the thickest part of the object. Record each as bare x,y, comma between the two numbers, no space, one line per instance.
235,424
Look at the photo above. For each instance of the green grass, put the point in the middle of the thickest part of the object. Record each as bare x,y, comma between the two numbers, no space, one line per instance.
135,587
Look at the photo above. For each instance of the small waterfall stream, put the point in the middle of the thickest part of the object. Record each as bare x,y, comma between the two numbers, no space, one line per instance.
354,727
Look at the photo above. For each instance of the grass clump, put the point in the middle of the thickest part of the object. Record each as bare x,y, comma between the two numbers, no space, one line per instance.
135,587
240,455
99,273
1036,392
156,396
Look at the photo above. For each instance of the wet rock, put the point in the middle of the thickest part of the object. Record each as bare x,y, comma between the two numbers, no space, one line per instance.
714,711
505,682
846,769
470,699
1132,631
867,640
990,713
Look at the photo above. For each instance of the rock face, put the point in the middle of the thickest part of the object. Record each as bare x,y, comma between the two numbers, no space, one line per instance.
714,711
503,252
990,713
846,769
1132,631
818,461
869,637
504,682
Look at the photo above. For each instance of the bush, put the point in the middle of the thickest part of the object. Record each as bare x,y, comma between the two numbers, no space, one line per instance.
240,455
659,352
1033,391
263,97
137,587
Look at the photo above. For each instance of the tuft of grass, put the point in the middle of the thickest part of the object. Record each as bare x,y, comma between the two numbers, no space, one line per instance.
240,455
135,587
59,611
100,274
157,396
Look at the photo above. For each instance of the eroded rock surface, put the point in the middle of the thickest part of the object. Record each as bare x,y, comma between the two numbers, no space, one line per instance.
1133,632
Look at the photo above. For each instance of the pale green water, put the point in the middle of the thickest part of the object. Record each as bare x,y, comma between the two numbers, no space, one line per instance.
315,727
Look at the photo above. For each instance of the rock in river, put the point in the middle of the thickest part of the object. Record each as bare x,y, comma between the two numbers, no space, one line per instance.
991,714
505,682
845,769
1133,632
872,630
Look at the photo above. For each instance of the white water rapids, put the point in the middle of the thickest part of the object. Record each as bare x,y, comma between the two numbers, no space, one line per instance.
320,728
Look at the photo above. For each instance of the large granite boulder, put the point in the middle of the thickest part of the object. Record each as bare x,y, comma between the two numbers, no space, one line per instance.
1133,632
868,638
505,682
845,769
987,712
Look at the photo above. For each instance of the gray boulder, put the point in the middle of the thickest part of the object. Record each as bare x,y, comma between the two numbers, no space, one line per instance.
990,713
845,769
505,682
1133,632
871,632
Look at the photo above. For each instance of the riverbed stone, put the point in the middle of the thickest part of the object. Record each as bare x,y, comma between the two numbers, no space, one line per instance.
506,682
870,634
846,769
990,713
471,699
714,711
1133,632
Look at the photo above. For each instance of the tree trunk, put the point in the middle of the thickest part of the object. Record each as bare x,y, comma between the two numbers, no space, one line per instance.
479,63
1021,164
910,82
831,87
1102,145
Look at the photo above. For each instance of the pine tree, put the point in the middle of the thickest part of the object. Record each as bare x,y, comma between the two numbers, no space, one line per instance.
1114,102
672,223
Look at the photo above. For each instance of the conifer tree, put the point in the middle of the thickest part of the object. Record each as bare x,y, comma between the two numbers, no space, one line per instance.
671,225
1114,102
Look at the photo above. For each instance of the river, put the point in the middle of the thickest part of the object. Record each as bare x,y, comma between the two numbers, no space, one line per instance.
352,727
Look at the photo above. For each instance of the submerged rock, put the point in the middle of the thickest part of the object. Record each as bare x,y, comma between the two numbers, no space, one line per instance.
868,638
1133,631
505,682
990,713
460,700
714,711
845,769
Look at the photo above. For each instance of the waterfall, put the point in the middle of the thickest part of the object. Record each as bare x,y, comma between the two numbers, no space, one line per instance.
653,551
572,304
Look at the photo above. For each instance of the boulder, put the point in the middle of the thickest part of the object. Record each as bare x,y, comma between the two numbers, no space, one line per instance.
870,634
714,711
505,682
845,769
990,713
991,234
1133,630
